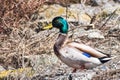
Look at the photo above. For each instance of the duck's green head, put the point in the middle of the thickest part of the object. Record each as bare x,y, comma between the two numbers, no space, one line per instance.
61,24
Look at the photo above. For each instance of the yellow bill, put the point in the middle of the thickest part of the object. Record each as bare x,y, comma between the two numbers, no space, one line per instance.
49,26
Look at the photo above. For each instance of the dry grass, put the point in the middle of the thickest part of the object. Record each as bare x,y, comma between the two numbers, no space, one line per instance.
15,12
21,43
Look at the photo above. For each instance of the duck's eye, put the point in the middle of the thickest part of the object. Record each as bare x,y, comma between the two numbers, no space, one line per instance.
59,23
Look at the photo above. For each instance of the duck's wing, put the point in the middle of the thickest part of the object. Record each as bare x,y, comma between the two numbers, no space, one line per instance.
89,50
72,55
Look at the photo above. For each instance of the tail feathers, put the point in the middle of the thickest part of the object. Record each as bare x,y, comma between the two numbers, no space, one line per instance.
109,55
104,59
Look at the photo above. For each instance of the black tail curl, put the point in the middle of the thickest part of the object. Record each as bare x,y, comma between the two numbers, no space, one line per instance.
104,59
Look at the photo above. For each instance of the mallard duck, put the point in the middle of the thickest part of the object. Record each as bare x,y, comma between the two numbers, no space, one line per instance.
75,54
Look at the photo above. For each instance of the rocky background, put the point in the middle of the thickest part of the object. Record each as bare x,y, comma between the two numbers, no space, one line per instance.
26,49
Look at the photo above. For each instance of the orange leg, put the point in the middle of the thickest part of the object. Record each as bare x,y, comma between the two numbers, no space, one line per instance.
81,68
74,70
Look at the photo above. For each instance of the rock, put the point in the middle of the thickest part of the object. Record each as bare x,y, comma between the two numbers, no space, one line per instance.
79,32
14,74
1,68
83,75
92,11
37,60
74,13
110,7
95,34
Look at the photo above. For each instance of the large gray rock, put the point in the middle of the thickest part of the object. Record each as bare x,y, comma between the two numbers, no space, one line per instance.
95,34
